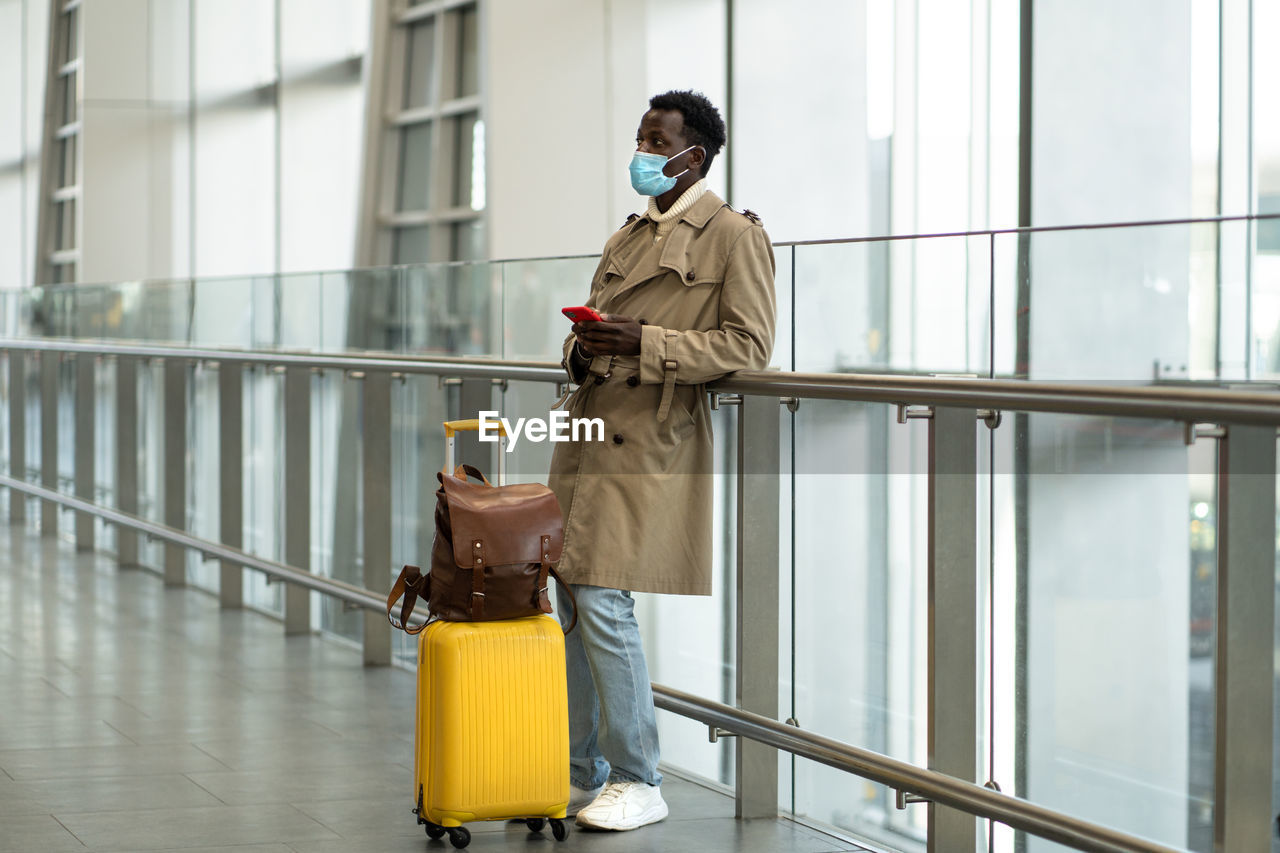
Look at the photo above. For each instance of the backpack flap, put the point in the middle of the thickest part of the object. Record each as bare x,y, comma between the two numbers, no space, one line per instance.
509,521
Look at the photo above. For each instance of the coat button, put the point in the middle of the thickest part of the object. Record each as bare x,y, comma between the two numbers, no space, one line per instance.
688,276
633,381
617,438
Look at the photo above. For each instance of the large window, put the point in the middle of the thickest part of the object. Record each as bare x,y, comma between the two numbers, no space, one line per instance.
432,208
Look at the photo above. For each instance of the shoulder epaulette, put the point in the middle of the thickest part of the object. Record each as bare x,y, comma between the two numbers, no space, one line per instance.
631,217
752,215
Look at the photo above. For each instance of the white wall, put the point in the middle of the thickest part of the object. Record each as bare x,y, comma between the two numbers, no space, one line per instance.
23,36
559,74
130,227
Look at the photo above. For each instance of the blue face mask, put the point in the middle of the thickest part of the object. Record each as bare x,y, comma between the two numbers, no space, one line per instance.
646,172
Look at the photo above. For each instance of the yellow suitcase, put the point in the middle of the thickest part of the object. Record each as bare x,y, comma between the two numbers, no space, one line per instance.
492,734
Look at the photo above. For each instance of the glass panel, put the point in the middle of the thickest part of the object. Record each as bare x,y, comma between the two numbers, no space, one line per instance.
375,304
415,168
150,458
301,321
66,432
533,292
702,662
861,677
64,273
1266,149
906,305
67,170
263,499
6,395
336,510
468,141
69,94
203,504
71,45
448,310
31,426
65,228
105,460
158,311
420,67
89,311
1118,739
468,240
1130,292
222,312
468,72
411,245
419,405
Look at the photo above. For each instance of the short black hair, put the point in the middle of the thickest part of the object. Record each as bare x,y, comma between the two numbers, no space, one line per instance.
702,123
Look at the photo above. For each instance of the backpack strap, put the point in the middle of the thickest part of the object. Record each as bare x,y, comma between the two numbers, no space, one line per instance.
572,601
412,584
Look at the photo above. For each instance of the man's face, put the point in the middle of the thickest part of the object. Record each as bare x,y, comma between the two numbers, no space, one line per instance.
662,132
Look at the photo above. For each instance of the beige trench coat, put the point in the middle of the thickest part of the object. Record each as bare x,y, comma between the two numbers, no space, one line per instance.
638,505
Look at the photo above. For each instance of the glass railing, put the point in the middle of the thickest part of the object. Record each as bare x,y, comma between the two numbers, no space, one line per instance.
1097,548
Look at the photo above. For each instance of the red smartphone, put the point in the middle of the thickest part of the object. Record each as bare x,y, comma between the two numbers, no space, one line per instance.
578,313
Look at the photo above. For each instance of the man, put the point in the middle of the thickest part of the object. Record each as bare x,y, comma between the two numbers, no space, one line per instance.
686,294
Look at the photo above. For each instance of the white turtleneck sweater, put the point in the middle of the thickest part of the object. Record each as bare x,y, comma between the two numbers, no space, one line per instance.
667,221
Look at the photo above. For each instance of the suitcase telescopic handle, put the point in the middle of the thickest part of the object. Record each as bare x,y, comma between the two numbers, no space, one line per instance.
452,428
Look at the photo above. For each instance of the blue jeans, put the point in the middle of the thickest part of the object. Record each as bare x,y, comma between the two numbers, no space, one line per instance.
613,735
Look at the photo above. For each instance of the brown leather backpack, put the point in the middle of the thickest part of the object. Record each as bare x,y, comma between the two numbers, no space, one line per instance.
494,550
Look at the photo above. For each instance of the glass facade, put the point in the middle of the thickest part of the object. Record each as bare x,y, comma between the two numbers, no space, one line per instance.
1089,627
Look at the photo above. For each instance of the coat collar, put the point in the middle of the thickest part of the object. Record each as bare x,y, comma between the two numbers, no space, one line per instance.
698,215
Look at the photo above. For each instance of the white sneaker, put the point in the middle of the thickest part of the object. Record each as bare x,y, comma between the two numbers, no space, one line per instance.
580,798
624,805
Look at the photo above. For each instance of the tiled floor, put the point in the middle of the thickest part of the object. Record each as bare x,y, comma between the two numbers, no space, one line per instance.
135,717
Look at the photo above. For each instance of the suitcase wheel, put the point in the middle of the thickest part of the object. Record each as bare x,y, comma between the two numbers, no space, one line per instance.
459,836
535,824
434,830
559,829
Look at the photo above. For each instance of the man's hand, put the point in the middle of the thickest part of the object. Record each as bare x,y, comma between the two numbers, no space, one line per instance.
614,335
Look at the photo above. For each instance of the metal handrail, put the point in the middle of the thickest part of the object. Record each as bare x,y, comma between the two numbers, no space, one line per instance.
345,592
937,787
1181,403
908,778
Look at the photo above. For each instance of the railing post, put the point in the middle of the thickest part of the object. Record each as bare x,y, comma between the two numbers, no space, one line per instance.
49,364
756,793
231,477
127,455
17,433
375,434
175,466
297,497
953,617
85,446
1246,638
